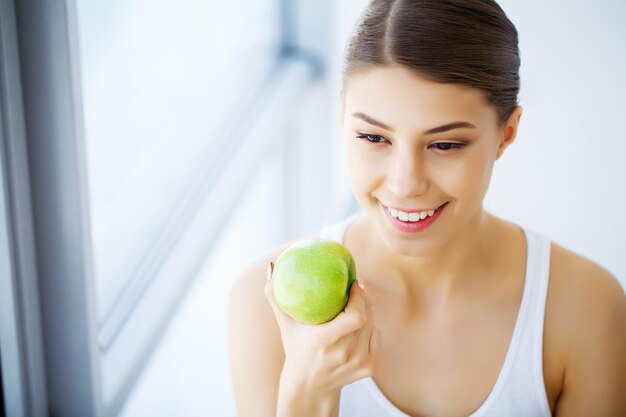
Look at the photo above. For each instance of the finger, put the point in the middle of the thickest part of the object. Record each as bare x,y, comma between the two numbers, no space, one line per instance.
374,350
366,366
352,318
362,339
367,299
358,303
369,312
281,317
364,358
374,344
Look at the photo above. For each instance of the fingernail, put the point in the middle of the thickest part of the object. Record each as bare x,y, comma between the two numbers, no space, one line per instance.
360,283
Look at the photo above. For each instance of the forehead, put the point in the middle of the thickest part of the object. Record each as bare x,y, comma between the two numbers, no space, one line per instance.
400,97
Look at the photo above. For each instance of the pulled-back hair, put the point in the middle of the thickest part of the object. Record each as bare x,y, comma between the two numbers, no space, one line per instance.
467,42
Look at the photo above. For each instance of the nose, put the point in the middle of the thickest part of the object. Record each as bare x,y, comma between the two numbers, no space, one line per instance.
407,175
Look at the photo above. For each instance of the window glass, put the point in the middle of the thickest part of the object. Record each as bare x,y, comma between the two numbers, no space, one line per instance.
158,80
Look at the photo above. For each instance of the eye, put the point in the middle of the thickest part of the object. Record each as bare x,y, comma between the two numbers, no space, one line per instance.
371,138
446,146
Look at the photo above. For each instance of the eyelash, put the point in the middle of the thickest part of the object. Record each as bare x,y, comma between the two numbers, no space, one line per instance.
448,146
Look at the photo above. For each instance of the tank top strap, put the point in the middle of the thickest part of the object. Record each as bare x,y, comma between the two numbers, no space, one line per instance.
539,269
520,388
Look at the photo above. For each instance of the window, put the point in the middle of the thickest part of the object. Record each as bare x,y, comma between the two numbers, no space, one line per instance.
145,123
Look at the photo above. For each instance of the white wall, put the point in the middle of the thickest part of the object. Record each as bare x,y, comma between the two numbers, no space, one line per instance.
563,177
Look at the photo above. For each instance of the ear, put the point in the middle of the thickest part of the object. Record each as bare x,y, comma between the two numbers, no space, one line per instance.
510,130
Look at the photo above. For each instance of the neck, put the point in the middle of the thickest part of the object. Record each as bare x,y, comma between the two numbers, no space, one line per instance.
446,269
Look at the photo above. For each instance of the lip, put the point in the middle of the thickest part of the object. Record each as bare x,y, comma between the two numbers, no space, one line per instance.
412,210
414,227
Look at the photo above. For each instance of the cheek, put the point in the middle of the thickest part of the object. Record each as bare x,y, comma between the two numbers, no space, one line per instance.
469,179
364,167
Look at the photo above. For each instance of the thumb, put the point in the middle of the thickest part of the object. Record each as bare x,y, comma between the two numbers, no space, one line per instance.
281,317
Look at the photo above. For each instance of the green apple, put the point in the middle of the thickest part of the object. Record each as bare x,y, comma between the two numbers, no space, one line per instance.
312,279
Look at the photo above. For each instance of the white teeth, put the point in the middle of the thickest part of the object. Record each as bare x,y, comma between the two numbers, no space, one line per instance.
410,217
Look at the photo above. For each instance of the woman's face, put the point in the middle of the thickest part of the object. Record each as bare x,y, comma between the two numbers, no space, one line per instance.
395,162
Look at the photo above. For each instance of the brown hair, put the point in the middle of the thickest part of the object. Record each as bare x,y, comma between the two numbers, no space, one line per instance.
468,42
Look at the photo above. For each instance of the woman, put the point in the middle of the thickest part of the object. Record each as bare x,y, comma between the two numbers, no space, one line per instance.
458,312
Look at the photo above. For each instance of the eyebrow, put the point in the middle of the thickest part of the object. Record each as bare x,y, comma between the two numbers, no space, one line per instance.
438,129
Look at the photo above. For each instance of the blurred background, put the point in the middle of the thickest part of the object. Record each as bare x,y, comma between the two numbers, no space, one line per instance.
150,149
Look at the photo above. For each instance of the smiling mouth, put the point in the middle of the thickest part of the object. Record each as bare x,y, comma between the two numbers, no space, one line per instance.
414,214
413,222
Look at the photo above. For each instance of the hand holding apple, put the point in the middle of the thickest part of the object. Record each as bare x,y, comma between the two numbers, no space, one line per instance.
327,356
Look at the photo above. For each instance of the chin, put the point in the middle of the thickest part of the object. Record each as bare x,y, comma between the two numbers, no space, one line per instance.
410,245
409,248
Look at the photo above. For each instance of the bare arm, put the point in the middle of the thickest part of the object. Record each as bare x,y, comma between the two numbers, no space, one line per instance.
255,352
595,374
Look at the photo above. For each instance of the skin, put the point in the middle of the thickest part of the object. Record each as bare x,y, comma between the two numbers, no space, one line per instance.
430,295
408,171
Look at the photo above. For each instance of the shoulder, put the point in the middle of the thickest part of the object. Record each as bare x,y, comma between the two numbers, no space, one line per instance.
246,294
255,348
250,282
249,310
582,288
586,323
251,279
582,294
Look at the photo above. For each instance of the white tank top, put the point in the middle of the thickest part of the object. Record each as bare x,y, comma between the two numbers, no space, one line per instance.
519,390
